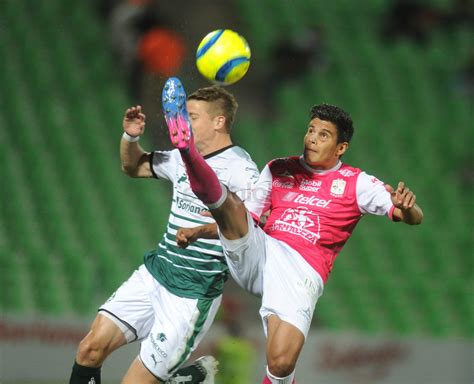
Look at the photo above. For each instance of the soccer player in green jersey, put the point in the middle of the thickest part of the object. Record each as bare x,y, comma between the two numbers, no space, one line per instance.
170,302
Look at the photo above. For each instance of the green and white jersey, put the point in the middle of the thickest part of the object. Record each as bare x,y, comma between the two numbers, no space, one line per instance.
199,271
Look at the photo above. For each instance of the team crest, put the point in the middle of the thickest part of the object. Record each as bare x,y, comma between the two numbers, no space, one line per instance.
337,187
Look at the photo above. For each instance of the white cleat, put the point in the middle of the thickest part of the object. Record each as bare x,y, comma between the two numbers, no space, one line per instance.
208,364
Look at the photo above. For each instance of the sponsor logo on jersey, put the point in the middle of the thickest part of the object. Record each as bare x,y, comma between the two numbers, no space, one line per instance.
300,198
338,187
188,206
297,221
298,216
283,184
310,185
347,172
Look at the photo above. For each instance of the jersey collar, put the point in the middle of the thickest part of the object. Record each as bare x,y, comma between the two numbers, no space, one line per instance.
212,154
317,171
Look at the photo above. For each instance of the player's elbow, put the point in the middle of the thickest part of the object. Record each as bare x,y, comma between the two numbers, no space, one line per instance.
130,171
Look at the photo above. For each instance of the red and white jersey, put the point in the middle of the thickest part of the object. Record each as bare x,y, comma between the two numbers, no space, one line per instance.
313,211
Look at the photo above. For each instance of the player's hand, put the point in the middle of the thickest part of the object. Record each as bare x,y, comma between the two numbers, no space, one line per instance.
402,197
186,236
134,121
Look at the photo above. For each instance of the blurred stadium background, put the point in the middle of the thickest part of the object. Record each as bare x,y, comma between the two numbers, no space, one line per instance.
399,306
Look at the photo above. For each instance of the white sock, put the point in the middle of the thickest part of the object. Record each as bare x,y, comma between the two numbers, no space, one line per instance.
281,380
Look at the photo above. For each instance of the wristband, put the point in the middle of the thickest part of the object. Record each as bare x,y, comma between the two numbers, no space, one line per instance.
130,139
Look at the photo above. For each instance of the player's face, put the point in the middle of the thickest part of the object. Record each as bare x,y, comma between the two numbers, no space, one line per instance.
321,150
202,122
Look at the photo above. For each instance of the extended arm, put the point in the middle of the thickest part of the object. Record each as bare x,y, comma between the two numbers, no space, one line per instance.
404,200
135,161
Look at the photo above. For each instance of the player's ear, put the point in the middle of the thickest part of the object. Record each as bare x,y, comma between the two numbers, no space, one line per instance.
342,148
220,122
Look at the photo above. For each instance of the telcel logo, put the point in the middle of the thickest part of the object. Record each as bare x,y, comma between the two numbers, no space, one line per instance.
310,200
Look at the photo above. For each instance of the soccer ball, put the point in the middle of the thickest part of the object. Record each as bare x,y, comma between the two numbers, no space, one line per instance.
223,56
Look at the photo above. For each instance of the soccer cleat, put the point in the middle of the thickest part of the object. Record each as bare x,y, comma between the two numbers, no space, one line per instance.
176,115
208,366
205,366
180,379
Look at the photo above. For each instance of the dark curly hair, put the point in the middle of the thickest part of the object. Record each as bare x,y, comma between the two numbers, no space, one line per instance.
338,117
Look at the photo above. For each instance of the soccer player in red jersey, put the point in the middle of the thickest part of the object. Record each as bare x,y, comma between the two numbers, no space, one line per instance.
314,203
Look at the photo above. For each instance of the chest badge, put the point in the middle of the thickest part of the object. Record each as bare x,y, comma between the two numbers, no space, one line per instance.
337,187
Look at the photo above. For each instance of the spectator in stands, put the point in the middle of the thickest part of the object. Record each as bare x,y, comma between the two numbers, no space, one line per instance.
416,20
411,19
464,79
143,43
161,51
293,57
462,12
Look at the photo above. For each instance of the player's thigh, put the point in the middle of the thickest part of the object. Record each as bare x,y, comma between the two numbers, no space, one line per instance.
291,287
130,306
179,326
137,373
246,257
106,332
103,338
231,217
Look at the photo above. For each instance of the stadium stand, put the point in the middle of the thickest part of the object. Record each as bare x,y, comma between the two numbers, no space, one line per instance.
73,226
70,233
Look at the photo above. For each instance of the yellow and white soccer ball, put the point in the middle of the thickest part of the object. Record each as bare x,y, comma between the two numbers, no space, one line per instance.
223,56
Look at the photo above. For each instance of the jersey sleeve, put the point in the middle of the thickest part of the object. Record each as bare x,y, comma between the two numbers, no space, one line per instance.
372,197
244,176
164,164
260,197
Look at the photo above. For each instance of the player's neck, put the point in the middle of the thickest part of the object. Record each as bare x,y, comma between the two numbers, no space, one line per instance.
320,168
215,145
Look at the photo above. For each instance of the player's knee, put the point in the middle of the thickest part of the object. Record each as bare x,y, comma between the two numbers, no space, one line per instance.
91,352
281,365
232,218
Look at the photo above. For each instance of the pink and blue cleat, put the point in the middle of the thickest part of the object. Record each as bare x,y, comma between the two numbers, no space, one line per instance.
176,115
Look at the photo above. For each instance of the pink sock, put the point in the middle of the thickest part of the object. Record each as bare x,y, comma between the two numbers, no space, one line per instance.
203,179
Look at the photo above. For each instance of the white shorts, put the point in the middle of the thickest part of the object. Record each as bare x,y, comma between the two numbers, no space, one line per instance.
169,326
270,268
